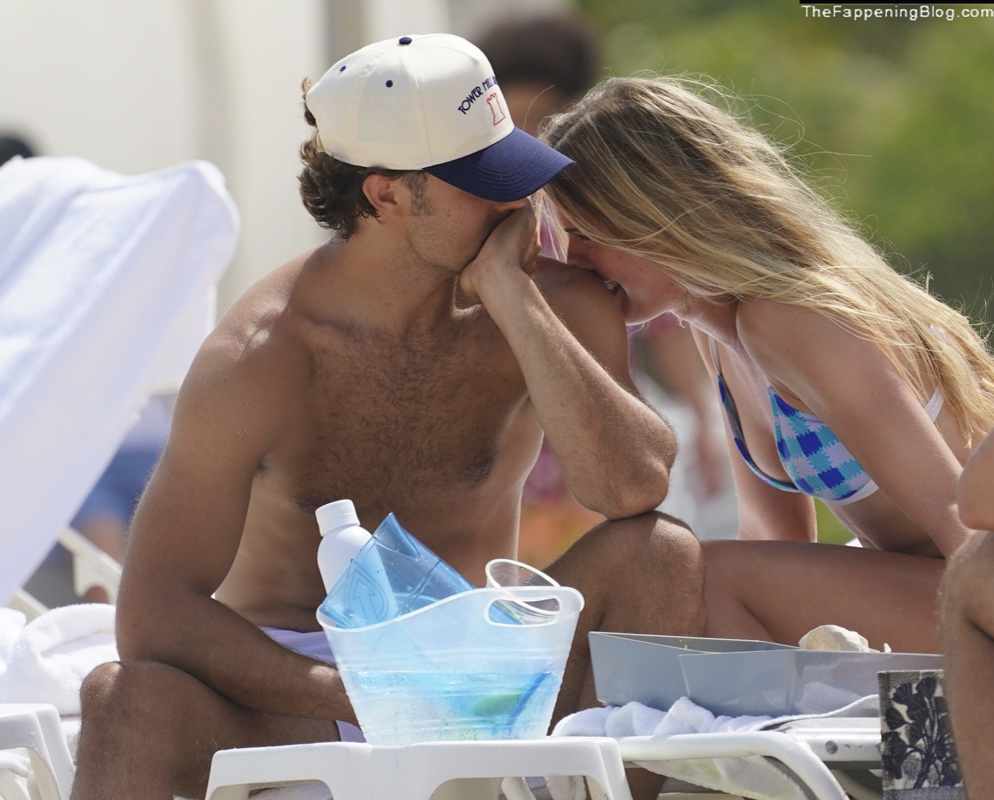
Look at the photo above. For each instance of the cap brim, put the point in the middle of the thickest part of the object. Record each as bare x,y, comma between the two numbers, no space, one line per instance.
515,167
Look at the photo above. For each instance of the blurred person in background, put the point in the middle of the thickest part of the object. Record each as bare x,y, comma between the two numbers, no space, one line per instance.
105,516
543,63
13,146
968,626
840,378
675,380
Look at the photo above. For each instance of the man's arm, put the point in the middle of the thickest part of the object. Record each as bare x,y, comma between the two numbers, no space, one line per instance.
614,450
186,533
976,488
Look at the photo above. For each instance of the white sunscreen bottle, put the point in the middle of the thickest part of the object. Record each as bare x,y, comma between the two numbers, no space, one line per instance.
342,537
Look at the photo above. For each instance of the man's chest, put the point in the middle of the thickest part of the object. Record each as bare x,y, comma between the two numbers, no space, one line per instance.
388,425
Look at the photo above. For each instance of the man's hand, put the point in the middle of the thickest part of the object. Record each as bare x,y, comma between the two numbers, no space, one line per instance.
508,252
614,451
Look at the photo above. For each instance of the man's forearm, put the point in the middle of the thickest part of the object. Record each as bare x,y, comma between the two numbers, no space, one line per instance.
206,639
615,452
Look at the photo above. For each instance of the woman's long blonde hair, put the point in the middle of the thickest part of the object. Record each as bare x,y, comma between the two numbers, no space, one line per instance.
663,173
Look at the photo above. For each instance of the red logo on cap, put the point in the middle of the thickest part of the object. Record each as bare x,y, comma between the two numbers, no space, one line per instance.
494,102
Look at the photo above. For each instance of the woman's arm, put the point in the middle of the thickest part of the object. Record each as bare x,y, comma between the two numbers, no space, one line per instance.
861,396
976,488
768,513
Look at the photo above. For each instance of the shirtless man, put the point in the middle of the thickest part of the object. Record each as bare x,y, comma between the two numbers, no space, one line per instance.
411,365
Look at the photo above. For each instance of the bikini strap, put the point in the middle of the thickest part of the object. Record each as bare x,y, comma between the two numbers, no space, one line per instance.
714,354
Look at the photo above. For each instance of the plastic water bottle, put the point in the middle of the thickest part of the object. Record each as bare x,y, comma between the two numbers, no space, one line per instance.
375,578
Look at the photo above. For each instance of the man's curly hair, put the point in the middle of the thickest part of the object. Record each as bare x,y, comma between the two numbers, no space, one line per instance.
332,190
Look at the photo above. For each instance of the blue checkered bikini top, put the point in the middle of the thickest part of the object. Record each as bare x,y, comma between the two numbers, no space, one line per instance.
812,455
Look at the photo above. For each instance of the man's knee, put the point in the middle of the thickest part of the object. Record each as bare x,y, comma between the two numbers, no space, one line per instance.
655,542
653,556
124,692
967,584
100,689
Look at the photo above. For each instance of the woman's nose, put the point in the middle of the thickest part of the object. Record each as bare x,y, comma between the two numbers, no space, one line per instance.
577,254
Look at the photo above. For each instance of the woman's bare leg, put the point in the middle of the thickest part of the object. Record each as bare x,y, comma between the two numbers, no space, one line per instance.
778,591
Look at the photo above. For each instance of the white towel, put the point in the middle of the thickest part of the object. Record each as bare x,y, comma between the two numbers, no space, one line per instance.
45,661
746,777
51,655
102,278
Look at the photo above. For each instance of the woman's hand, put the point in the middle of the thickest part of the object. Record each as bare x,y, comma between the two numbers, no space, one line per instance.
508,253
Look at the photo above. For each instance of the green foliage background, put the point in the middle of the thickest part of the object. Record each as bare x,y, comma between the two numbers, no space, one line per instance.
894,118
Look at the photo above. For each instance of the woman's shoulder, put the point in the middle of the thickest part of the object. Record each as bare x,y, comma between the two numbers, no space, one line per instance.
769,319
783,338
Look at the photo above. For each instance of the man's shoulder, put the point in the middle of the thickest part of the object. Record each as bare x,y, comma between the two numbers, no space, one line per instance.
254,350
580,300
571,288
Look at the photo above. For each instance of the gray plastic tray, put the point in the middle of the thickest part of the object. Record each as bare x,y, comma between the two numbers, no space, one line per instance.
631,666
737,676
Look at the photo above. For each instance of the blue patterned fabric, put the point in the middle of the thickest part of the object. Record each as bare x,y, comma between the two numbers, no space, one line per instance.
812,455
732,415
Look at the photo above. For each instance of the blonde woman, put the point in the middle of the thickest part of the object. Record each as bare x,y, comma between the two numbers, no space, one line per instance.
840,378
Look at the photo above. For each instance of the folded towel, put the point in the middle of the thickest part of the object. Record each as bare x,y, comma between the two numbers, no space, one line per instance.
11,624
50,656
101,277
754,776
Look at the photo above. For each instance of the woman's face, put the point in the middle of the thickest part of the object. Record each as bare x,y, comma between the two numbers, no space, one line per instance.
641,287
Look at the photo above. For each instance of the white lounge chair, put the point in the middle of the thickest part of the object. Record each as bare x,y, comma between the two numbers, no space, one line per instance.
107,289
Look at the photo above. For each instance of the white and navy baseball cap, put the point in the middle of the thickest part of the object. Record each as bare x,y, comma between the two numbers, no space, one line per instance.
429,103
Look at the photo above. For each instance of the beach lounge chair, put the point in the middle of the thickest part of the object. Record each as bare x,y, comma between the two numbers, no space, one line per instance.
107,289
106,292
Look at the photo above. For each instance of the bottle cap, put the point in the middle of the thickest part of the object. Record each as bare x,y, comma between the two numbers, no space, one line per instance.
333,516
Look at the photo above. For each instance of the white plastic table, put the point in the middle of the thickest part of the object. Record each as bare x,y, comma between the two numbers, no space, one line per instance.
416,772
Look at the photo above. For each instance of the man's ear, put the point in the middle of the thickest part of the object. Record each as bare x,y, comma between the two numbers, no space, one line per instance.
384,195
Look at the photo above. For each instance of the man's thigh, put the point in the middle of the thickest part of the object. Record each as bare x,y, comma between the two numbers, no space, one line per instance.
162,721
